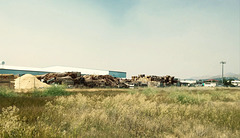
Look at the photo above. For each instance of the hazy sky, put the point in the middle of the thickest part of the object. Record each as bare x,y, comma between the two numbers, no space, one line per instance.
183,38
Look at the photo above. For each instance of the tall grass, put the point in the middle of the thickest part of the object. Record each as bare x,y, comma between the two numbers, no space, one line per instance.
167,112
6,92
51,91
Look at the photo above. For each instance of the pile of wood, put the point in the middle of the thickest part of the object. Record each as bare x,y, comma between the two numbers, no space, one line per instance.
76,80
103,81
7,80
160,81
67,78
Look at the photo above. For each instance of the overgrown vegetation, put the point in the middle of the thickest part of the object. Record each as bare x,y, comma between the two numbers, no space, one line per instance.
51,91
163,112
5,92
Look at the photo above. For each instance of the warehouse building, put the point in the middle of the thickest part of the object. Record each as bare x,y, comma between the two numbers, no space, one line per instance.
40,71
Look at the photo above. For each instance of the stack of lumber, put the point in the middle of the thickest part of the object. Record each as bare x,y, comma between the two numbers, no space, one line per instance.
7,80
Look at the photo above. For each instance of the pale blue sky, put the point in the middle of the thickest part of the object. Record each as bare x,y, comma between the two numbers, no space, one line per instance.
157,37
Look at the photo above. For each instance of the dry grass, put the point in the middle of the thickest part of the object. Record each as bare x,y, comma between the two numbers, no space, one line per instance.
165,112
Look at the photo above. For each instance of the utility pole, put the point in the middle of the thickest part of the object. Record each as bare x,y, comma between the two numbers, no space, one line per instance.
222,62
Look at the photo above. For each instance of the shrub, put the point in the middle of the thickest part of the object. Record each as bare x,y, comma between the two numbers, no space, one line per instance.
5,92
51,91
37,93
186,98
11,125
223,96
145,91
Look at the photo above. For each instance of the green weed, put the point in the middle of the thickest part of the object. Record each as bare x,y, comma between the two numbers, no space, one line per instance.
145,91
5,92
51,91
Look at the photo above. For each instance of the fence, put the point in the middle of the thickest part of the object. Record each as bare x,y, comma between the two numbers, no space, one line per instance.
7,80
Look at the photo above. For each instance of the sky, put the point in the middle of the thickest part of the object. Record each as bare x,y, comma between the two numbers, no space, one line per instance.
181,38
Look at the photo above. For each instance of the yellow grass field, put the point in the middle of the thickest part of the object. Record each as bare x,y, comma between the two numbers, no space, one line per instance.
145,112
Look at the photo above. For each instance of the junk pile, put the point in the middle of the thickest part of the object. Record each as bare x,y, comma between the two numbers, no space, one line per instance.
154,81
67,78
7,80
103,81
28,81
76,80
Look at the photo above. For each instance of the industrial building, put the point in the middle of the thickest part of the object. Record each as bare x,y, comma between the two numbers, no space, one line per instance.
40,71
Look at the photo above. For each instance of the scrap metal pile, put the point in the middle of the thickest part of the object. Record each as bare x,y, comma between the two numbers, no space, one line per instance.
76,80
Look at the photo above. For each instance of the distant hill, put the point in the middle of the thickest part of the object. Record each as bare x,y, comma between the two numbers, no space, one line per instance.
219,77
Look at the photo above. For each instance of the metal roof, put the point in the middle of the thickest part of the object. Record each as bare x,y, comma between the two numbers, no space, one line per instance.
82,70
58,69
23,68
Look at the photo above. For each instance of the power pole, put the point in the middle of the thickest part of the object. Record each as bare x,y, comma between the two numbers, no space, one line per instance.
222,62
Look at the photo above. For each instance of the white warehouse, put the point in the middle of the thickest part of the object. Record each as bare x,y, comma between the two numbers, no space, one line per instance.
39,71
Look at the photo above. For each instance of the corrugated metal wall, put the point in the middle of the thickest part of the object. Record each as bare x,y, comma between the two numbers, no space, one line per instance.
112,73
118,74
16,72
